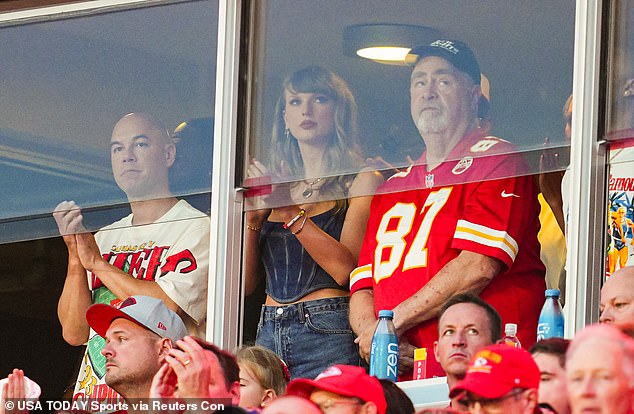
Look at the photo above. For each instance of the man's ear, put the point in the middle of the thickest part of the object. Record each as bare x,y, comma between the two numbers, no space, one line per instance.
369,408
170,154
531,399
268,396
165,344
436,351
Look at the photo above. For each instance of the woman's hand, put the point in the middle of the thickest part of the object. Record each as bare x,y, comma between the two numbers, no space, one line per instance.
262,194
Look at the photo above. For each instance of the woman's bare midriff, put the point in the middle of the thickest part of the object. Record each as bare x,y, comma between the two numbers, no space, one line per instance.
318,294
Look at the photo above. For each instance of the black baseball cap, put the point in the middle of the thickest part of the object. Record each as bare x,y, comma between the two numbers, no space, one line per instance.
455,51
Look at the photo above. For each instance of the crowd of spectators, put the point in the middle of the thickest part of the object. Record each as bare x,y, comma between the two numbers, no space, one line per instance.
150,358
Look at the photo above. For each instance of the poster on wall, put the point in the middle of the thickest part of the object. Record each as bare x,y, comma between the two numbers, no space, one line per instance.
620,228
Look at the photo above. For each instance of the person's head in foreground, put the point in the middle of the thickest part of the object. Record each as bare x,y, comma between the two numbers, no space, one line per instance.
139,333
617,298
466,324
291,404
263,376
224,375
600,370
342,389
500,379
550,356
397,401
196,368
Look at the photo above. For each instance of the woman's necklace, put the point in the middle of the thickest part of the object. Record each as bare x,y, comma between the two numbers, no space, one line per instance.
308,191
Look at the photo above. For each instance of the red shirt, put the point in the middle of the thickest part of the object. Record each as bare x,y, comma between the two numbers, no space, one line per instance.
423,219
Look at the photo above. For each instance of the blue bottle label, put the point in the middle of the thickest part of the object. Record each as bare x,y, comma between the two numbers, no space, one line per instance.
384,357
552,329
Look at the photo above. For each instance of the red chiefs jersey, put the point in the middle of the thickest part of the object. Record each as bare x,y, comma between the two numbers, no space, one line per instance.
478,200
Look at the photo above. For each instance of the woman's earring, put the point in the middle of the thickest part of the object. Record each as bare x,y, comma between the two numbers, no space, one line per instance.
287,133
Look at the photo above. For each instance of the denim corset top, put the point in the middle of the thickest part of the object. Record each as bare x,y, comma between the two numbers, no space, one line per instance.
291,273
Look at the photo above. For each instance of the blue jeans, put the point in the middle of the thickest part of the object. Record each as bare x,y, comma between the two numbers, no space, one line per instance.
309,336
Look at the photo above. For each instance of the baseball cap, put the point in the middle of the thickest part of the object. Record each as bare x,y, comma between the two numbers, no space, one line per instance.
455,51
346,380
149,312
496,370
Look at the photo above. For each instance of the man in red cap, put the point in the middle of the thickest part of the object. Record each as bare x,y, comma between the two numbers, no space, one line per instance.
500,379
342,388
139,334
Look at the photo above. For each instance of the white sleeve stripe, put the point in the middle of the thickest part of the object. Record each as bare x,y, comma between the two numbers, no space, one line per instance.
360,273
486,236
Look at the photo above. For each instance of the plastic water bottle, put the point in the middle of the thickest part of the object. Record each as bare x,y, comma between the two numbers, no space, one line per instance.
510,336
551,319
384,351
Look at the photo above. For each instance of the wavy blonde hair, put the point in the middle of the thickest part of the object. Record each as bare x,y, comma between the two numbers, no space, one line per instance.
343,152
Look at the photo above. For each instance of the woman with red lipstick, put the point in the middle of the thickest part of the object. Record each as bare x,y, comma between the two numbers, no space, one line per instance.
308,247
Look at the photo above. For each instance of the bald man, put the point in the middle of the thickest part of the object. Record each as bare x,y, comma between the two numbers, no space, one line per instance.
291,404
617,298
160,250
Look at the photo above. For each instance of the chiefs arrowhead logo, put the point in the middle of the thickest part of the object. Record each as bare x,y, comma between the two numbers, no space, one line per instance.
162,326
462,165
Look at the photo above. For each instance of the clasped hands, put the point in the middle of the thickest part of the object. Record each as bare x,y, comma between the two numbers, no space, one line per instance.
78,239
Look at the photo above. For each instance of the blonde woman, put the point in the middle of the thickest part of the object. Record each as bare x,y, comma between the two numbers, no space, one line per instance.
308,247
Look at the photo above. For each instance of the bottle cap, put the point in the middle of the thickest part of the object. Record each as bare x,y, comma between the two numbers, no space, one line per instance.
510,328
552,293
385,313
420,354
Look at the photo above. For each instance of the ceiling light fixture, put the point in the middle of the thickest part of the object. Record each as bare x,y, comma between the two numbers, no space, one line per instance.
385,42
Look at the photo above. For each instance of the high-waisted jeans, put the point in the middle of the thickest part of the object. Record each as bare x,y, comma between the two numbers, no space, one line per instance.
309,336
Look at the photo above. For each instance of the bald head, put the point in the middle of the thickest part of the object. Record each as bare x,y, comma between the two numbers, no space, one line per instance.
291,404
141,153
617,298
600,371
146,121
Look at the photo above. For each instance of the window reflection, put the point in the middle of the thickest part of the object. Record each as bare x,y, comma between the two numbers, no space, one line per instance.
525,94
64,85
620,134
520,102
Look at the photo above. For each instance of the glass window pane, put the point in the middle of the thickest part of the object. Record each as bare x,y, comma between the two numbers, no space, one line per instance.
527,81
66,83
620,91
437,115
620,134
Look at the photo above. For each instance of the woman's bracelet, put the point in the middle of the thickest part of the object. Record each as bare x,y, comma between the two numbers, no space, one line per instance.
254,228
299,215
301,227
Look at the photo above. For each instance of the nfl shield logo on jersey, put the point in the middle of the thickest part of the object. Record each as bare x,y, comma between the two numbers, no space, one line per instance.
429,180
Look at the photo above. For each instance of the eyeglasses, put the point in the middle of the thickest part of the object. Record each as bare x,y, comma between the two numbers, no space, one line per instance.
329,404
489,403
